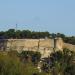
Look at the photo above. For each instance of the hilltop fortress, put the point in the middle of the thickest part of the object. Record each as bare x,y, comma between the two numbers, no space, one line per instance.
44,46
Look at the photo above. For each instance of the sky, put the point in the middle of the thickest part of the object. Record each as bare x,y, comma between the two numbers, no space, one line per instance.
38,15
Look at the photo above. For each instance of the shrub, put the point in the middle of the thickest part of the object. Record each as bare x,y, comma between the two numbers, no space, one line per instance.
13,66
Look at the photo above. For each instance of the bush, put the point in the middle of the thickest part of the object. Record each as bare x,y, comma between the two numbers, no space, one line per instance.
10,65
60,63
27,56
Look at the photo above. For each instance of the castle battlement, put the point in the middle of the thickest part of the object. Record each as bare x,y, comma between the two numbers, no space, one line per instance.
45,46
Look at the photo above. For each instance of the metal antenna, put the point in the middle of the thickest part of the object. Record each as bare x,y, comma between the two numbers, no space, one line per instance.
16,27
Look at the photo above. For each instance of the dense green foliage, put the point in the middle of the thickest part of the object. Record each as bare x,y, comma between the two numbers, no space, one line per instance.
10,64
11,33
60,63
30,56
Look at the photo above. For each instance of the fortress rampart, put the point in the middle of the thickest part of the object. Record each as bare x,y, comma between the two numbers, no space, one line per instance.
44,46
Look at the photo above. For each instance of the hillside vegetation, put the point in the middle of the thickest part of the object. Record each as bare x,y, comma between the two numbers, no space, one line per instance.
11,33
25,63
13,63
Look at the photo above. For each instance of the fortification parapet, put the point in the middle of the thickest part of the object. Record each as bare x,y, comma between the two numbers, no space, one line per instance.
44,46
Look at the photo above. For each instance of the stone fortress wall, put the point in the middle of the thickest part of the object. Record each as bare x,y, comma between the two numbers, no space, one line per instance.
44,46
69,46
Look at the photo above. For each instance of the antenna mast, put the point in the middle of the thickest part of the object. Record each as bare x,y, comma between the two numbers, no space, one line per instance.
16,27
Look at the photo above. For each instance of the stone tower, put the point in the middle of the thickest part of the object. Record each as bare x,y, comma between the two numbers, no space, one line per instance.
59,44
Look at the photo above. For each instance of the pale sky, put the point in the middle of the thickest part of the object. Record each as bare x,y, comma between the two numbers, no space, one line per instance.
39,15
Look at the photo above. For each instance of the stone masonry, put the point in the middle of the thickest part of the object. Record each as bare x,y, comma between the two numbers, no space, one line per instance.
44,46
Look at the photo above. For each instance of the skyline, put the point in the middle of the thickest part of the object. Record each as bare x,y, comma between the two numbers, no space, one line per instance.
38,15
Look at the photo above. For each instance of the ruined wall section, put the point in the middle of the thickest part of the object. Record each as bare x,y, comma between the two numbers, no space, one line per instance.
69,46
44,46
59,44
21,44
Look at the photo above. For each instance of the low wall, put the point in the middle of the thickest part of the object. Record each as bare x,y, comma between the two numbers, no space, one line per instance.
44,46
69,46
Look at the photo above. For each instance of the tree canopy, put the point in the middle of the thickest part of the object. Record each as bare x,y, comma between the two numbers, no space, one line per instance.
27,34
11,33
